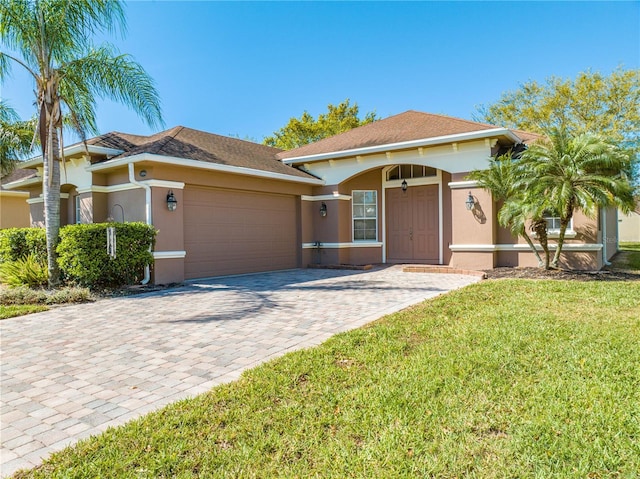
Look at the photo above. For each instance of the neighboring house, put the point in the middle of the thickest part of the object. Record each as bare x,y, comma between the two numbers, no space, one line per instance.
393,191
629,226
14,209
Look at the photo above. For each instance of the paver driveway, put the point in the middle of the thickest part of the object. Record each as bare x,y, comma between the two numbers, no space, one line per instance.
72,372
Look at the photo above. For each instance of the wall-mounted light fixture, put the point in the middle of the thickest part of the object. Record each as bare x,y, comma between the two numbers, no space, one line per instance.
404,185
471,201
323,209
172,203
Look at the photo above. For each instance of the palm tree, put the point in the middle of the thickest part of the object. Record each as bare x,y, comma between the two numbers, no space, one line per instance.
586,172
51,39
504,179
16,138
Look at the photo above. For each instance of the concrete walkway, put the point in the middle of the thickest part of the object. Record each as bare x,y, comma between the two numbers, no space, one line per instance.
74,371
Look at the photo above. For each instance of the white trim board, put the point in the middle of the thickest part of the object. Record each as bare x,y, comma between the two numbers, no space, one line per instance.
176,185
479,248
169,254
40,199
14,193
325,197
354,244
239,170
457,185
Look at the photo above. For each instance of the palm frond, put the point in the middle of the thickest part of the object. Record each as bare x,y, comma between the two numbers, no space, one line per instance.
104,73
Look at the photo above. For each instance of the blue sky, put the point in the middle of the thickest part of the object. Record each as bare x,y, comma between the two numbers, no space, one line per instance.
244,68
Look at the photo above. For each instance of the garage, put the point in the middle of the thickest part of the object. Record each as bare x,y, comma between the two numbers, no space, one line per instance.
234,231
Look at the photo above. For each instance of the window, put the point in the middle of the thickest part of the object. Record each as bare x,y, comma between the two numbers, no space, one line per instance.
402,172
365,215
553,224
78,209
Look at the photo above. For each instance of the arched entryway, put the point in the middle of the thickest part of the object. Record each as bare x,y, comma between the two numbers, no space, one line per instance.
413,223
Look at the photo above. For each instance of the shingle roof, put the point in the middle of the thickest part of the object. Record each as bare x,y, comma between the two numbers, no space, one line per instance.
17,174
187,143
407,126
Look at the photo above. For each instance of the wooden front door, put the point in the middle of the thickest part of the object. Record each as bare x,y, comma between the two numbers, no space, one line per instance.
412,224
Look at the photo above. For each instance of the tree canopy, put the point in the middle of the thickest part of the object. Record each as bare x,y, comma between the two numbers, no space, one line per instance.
16,138
307,129
591,103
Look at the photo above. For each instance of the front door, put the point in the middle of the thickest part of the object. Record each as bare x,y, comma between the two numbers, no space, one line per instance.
412,224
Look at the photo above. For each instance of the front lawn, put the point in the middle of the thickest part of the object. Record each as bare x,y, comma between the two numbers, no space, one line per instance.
13,310
628,257
507,378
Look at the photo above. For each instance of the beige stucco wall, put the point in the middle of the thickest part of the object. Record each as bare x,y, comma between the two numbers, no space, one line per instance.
14,210
471,228
131,202
629,227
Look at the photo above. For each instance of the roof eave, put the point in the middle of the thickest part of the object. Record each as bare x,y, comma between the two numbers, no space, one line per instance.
172,160
34,180
74,150
406,144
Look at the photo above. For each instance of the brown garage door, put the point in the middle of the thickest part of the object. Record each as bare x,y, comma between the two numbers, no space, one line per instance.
233,232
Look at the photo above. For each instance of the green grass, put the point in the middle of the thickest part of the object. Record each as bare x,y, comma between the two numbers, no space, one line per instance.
23,300
13,310
629,257
502,379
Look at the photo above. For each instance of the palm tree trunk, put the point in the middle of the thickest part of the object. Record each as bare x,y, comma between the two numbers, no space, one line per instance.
564,223
527,238
540,227
51,193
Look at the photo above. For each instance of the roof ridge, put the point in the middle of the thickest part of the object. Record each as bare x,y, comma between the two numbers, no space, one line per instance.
449,117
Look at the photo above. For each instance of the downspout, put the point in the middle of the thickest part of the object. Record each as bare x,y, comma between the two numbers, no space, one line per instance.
605,261
147,190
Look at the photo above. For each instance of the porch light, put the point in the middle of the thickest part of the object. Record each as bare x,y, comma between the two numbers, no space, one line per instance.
323,209
404,185
471,202
172,203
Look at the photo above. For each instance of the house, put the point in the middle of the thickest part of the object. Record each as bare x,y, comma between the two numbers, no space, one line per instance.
393,191
14,209
629,225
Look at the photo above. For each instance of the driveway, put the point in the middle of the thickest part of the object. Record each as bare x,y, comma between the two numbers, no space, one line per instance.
74,371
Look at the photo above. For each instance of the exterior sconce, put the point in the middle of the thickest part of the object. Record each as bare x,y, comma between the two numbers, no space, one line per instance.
323,209
471,202
404,185
172,203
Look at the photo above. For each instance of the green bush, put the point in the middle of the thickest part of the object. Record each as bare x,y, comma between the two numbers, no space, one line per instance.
84,260
18,243
24,295
25,271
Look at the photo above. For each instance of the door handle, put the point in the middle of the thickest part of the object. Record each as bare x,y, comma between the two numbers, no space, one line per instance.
411,234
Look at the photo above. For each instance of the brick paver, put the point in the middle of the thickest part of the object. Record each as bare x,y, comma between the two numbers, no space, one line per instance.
74,371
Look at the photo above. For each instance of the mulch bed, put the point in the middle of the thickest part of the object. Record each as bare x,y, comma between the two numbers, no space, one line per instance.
538,273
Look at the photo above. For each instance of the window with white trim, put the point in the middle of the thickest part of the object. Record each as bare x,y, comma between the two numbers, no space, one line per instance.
78,217
365,215
553,224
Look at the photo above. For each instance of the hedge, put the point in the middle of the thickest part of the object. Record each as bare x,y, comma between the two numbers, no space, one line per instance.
18,243
83,257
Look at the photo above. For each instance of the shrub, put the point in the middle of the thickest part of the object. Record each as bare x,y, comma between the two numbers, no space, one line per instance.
24,295
25,271
83,256
73,294
17,243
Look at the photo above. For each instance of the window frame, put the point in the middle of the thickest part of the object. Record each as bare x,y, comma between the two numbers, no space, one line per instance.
77,203
555,219
354,217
